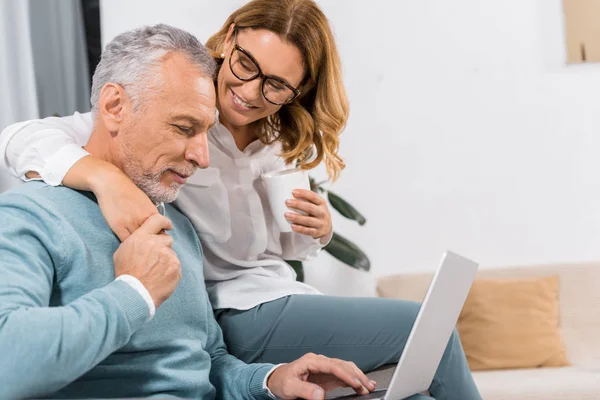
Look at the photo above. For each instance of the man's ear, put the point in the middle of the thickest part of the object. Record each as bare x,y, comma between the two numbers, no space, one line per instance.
112,106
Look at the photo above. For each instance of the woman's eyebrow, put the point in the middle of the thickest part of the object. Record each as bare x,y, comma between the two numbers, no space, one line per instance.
258,64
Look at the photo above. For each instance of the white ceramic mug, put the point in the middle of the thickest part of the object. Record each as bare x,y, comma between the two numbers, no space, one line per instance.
280,185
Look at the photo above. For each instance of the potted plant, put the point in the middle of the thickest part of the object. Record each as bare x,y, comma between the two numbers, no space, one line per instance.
339,247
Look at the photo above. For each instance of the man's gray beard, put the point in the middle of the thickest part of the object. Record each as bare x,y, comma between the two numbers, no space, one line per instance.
148,182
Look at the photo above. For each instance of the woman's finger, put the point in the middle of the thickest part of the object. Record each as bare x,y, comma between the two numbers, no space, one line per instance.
305,231
304,220
305,206
122,233
308,195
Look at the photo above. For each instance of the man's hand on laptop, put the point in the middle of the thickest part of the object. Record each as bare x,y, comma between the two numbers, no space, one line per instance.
311,376
147,255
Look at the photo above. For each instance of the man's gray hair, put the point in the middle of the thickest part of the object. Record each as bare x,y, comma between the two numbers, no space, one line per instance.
132,60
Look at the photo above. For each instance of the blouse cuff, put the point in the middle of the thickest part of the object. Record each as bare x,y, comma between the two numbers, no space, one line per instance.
61,162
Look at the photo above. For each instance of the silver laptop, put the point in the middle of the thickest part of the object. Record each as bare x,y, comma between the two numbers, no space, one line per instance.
431,331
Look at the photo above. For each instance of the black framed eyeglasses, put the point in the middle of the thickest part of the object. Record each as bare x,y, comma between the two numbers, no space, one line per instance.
274,89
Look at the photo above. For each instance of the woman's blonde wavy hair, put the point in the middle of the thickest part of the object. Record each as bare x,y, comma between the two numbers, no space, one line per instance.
315,119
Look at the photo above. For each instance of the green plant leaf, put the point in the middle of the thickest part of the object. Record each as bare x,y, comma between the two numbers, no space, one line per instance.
345,208
348,253
298,267
316,186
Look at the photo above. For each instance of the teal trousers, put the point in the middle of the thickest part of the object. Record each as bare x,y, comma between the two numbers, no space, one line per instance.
370,332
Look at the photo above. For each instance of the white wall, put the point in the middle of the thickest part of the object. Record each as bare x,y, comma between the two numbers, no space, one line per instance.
18,99
467,129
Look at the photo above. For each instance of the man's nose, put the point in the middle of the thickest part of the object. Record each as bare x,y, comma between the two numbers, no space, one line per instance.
197,150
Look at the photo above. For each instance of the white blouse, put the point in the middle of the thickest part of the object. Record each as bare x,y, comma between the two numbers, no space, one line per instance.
227,203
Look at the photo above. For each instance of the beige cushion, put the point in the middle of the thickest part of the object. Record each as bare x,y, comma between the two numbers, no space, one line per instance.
512,323
569,383
579,298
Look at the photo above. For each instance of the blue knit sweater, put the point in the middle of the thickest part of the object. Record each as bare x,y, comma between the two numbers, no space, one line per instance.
69,330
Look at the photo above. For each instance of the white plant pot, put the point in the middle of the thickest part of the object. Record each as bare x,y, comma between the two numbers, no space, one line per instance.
334,278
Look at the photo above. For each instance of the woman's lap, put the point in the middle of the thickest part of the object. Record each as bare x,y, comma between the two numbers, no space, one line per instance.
368,331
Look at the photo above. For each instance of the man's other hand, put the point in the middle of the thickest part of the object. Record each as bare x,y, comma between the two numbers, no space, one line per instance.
147,255
311,376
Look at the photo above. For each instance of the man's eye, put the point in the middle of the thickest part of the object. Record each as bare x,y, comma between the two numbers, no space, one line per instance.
184,129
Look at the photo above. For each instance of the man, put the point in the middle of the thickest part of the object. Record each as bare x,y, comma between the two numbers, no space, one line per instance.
82,315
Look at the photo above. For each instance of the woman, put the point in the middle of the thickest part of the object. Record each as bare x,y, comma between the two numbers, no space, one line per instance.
280,100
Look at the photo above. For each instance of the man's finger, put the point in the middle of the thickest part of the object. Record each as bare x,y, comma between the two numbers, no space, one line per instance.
352,379
155,224
358,382
163,240
366,381
306,390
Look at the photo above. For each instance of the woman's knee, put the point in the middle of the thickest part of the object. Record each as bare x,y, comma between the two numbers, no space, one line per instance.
454,344
404,310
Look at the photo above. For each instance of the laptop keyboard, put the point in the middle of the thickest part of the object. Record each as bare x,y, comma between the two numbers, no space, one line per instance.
376,395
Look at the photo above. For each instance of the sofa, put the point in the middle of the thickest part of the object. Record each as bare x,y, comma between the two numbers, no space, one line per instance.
579,307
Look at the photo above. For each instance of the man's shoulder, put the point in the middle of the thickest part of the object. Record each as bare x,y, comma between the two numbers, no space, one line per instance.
181,223
179,220
40,190
54,214
35,196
